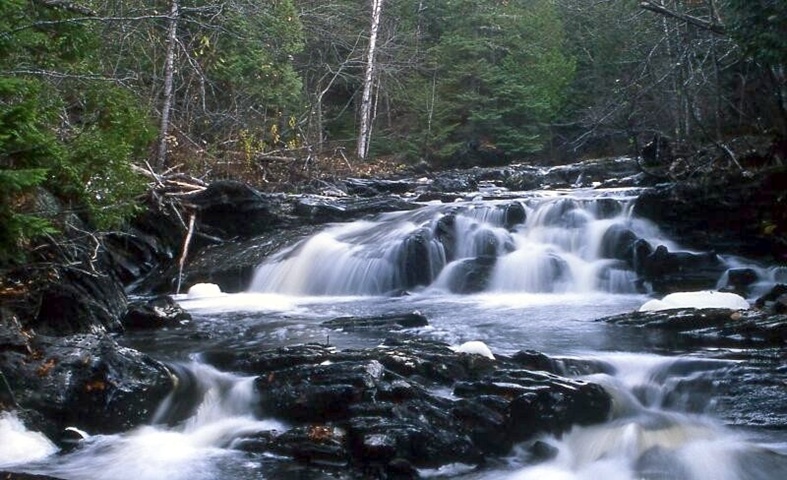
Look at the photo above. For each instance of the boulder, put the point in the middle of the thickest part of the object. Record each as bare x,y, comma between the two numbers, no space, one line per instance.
471,275
230,209
669,272
80,302
740,279
445,233
514,215
85,381
619,242
158,312
415,259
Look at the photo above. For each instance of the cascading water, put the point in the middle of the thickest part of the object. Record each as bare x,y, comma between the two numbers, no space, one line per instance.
212,408
653,434
544,243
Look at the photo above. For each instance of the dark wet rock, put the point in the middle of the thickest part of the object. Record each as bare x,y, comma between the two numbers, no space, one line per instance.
774,301
533,360
454,181
324,209
514,215
607,207
541,451
743,215
142,252
229,209
740,391
471,275
739,280
415,258
85,381
524,177
231,265
669,272
557,409
80,302
612,172
384,322
445,233
619,242
366,187
269,360
389,408
712,326
157,312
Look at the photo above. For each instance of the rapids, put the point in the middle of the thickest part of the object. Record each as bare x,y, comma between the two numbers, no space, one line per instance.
530,273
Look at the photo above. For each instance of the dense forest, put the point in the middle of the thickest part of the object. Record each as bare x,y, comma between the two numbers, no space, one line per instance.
93,93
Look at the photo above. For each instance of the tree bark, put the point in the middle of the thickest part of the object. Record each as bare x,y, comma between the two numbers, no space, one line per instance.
169,72
368,84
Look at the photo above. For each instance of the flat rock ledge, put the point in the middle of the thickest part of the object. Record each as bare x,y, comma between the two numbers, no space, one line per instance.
716,326
384,412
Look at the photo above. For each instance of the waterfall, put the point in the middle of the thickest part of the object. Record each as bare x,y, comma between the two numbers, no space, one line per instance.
546,242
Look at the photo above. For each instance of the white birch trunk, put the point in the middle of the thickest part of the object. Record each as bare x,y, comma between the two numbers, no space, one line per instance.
368,84
169,72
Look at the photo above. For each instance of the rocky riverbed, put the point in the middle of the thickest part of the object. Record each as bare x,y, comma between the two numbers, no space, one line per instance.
403,405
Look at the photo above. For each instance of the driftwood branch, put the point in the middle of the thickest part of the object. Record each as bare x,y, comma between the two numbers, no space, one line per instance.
697,22
274,158
185,252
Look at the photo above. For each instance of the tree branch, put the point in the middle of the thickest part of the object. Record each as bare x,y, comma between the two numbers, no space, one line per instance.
697,22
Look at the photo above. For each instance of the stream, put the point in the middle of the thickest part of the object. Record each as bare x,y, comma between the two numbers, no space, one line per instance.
533,278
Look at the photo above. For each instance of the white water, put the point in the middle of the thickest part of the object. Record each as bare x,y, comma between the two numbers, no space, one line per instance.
191,449
19,445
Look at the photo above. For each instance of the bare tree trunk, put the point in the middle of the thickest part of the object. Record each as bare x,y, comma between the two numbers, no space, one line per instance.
169,71
368,84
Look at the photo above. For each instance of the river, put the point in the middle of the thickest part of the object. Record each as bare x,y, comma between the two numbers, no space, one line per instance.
550,278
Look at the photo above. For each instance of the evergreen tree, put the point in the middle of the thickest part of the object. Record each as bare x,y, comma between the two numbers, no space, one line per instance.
498,76
63,125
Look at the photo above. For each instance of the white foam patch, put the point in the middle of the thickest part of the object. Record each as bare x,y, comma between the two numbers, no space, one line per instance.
239,302
202,290
19,445
475,348
702,299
